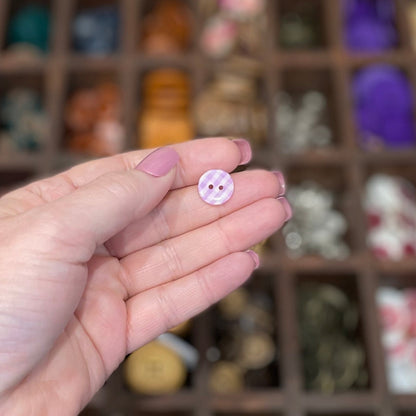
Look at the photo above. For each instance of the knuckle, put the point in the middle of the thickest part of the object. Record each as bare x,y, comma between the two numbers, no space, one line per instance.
172,260
118,184
227,242
167,307
207,289
160,223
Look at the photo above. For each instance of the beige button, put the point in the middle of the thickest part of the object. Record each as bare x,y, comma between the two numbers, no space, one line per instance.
257,351
233,305
226,377
154,369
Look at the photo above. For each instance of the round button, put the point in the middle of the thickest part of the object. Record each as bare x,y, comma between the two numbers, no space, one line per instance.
215,187
154,369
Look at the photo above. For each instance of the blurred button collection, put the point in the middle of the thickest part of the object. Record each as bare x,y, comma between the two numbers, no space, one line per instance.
245,354
317,227
93,120
201,69
333,355
397,310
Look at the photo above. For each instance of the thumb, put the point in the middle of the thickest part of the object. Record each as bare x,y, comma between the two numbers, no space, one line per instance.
97,211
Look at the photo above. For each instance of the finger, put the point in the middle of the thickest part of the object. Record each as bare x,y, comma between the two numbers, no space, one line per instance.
151,313
95,212
196,156
179,256
164,222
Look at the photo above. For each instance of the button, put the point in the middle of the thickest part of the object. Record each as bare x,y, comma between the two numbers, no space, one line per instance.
257,350
215,187
154,369
226,377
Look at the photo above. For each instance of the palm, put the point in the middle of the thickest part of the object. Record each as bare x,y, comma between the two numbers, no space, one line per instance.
161,269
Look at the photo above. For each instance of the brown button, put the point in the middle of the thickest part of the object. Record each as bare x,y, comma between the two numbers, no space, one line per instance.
167,28
81,111
154,369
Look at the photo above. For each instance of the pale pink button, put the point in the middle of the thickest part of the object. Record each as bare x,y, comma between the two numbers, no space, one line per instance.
215,187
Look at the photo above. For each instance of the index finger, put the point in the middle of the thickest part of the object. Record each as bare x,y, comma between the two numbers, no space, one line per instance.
196,156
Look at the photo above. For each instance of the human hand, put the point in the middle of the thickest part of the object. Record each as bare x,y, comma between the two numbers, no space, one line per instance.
101,259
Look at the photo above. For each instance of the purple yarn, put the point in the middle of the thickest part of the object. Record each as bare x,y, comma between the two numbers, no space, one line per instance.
369,25
369,35
384,106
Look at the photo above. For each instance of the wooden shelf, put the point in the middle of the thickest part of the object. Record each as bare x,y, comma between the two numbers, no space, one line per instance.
332,65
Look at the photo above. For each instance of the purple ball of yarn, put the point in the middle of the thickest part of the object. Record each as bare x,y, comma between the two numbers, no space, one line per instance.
370,35
384,106
369,25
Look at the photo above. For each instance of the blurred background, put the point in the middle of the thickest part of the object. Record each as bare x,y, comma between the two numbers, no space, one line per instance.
324,91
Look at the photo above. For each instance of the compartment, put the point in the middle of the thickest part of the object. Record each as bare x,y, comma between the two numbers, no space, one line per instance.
167,27
302,25
396,302
28,31
165,104
307,117
232,28
370,26
24,122
233,103
323,213
389,202
163,368
383,103
96,27
331,339
93,113
245,353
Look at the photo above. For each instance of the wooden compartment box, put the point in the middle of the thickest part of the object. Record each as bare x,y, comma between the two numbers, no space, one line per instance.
344,167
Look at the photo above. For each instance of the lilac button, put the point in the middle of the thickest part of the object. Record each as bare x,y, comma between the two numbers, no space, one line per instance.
215,187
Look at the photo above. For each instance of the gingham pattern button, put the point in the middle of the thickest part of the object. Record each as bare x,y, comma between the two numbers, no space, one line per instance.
215,187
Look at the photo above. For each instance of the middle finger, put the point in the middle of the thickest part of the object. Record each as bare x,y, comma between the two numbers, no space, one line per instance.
176,257
183,210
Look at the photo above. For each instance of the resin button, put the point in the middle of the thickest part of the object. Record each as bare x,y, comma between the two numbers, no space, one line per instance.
215,187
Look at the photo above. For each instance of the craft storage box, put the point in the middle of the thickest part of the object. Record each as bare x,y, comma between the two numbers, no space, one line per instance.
344,167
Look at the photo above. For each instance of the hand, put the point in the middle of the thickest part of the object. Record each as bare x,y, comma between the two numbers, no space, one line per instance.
101,259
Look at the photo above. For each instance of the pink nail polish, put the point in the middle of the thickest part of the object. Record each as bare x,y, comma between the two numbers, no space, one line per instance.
159,162
282,182
245,150
286,207
255,258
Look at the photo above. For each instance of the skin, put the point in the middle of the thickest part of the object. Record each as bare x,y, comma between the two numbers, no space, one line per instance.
99,260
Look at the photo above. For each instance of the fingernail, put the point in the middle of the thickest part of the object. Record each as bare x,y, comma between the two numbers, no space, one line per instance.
245,150
255,258
282,182
286,207
159,162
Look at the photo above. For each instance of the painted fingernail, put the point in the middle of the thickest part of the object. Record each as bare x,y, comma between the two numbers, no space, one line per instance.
245,150
286,207
255,258
215,187
282,182
159,162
